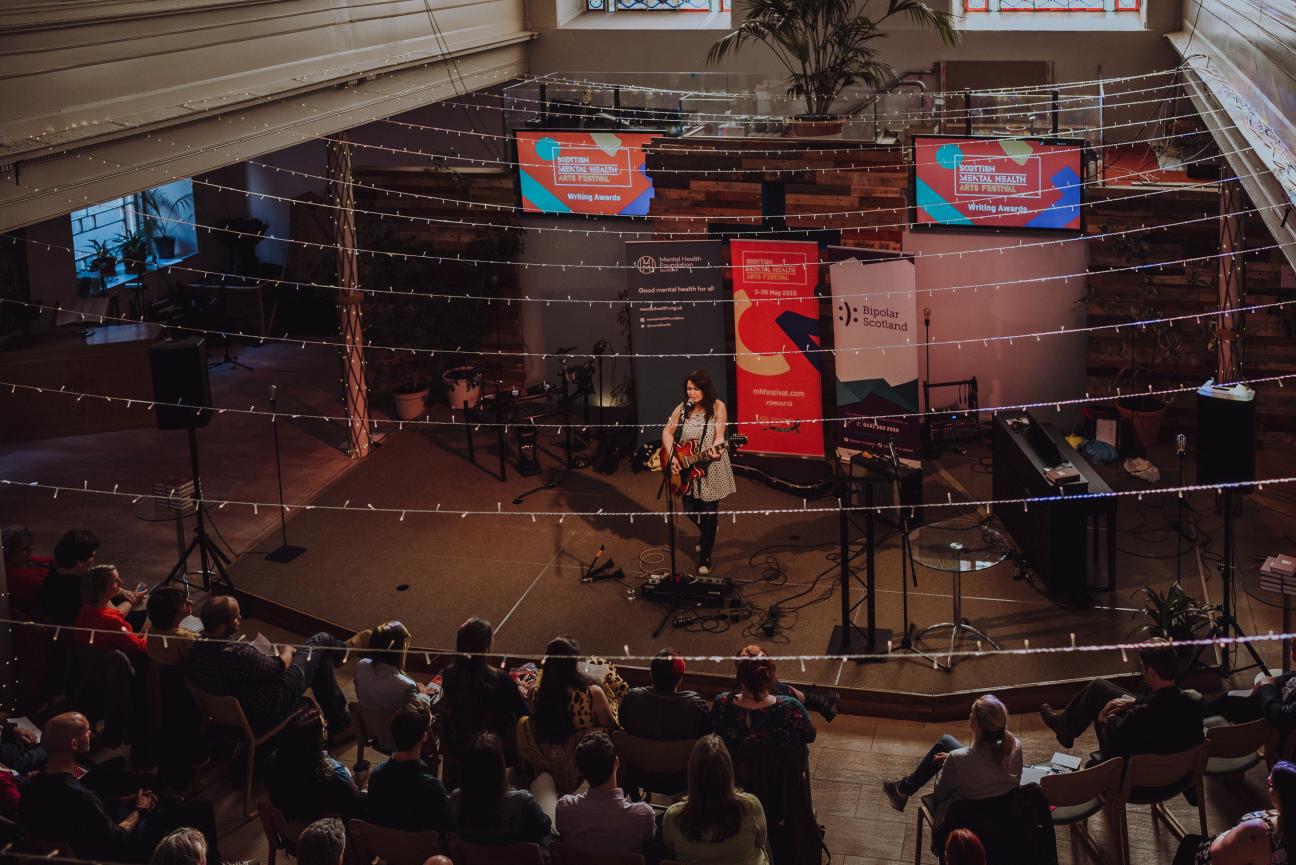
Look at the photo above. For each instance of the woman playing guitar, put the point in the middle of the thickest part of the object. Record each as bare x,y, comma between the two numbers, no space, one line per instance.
703,431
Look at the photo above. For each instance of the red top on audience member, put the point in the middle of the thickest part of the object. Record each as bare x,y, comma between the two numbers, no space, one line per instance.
25,572
99,586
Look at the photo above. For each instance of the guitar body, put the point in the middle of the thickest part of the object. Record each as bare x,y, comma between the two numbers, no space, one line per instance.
686,455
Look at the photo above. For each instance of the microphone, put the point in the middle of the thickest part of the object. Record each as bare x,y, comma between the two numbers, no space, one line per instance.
274,390
688,406
1181,444
927,315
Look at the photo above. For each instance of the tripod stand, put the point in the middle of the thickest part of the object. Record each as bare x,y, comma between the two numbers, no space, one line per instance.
209,554
676,578
908,570
1226,620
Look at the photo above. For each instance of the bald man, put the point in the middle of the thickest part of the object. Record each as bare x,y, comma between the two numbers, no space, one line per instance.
56,806
268,687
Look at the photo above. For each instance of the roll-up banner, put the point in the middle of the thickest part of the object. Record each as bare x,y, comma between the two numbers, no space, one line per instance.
666,276
776,335
875,335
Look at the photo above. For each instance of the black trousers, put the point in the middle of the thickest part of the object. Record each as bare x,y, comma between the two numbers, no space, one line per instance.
704,515
1084,708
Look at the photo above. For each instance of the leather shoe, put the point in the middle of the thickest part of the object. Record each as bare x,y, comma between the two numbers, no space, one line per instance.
1056,721
892,789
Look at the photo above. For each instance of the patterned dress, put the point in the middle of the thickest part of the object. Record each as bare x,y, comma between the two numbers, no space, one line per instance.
1277,852
718,479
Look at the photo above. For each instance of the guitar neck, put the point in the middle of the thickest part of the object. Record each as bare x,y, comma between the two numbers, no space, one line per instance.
689,462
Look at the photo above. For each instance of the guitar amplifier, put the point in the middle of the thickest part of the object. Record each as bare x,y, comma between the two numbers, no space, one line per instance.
692,591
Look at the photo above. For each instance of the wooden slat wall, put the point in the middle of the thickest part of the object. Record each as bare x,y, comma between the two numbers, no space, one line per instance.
1182,289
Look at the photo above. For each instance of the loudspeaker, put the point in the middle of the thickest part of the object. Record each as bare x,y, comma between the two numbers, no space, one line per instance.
181,385
1226,434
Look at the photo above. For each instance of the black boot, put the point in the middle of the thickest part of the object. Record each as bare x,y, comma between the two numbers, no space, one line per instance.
823,702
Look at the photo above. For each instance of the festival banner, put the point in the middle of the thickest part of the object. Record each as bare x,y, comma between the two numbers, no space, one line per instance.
587,173
666,276
876,340
776,335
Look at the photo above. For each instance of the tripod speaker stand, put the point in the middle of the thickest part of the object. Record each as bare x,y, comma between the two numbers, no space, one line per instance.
209,555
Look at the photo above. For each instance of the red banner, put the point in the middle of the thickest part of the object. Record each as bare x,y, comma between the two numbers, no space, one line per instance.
776,335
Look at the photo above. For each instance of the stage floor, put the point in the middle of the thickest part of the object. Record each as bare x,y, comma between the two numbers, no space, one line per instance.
434,571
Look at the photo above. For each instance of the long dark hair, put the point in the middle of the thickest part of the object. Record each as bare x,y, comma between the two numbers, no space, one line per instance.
713,810
467,674
484,782
300,748
702,379
552,716
1283,779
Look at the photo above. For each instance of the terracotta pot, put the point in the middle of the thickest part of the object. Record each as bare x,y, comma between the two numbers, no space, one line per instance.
812,126
411,404
1144,414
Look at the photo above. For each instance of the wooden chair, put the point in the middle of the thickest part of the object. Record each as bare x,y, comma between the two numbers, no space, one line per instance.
1154,779
561,854
370,842
1232,749
467,853
226,712
371,728
280,832
645,762
1077,796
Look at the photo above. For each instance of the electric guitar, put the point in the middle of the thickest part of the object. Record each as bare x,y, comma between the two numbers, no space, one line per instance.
688,456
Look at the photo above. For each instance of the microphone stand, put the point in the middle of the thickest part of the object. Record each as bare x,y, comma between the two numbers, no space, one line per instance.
1180,442
286,551
676,578
908,570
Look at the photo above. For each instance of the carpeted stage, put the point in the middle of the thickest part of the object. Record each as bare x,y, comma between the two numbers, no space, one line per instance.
434,571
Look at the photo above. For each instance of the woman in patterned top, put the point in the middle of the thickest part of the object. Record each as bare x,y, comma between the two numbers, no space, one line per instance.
754,716
704,426
1260,838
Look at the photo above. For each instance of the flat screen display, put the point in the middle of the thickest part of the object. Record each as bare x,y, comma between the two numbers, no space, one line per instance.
999,183
583,173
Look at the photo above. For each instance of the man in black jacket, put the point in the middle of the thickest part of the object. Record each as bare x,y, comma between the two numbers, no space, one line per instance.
1166,721
1273,698
663,713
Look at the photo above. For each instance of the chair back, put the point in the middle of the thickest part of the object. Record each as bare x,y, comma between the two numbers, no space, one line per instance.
653,757
1015,827
780,779
222,711
280,832
100,687
562,854
467,853
1067,789
1235,747
371,728
392,846
1158,777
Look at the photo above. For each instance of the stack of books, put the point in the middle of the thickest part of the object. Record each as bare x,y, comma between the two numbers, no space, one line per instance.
1278,574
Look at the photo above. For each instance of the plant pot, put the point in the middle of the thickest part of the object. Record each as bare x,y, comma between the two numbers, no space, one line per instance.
164,245
816,125
463,385
106,266
1144,415
136,265
410,404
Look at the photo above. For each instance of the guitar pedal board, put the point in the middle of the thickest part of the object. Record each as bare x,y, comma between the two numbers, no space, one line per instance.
691,590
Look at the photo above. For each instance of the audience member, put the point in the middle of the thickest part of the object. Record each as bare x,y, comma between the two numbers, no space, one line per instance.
990,767
268,687
476,696
20,750
566,700
24,572
1272,698
663,712
168,641
380,681
1165,722
754,716
1260,837
484,810
104,622
601,820
184,846
322,843
963,847
74,554
438,860
56,807
405,792
304,782
715,822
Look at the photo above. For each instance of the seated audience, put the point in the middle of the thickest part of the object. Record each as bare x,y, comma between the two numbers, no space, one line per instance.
963,847
380,682
9,795
56,807
716,822
105,622
663,712
24,572
322,843
20,750
1165,722
990,767
405,792
184,846
754,716
476,696
168,642
268,687
601,820
484,810
1259,839
74,554
1272,698
304,782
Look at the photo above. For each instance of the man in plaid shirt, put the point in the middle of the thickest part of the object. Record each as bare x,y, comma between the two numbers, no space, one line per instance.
268,687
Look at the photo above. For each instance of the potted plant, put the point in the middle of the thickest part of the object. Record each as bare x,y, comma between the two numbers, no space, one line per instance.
1172,615
826,46
103,258
134,248
159,212
240,236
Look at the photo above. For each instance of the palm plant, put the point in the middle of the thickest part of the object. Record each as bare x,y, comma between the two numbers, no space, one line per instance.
827,46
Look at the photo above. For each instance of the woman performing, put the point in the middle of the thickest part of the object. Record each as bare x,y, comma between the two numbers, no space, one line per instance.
704,428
